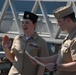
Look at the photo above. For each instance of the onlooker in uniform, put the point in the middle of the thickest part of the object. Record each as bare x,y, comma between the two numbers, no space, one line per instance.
29,41
64,63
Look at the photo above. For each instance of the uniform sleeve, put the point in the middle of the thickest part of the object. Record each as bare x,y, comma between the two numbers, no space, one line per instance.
73,50
13,44
43,52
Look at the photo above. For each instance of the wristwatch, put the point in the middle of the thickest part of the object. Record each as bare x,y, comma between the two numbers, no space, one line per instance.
55,67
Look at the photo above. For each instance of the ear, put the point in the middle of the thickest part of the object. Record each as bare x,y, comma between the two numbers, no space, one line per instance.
35,24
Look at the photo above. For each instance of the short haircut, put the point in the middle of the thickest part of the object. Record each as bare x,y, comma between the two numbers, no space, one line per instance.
71,16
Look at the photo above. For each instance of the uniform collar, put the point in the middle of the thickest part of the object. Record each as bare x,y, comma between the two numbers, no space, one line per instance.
35,35
72,33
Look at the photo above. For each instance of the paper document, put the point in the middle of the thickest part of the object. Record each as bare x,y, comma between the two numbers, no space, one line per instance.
34,59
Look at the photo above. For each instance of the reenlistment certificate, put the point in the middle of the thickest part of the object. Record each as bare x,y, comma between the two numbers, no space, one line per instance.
40,63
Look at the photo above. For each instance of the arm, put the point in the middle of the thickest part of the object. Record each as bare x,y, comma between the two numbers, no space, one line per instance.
46,60
5,44
49,59
9,55
69,67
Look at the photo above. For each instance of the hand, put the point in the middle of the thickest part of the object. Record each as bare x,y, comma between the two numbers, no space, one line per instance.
34,62
6,42
50,66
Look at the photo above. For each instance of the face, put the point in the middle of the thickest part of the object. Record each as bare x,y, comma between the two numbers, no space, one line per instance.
28,26
62,23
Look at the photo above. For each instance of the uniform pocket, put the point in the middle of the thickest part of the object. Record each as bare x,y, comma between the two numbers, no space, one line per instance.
65,51
66,46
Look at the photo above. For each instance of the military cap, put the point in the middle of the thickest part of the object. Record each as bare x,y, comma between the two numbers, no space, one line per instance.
63,11
28,15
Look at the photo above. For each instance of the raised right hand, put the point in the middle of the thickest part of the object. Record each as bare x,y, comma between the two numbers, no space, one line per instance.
6,42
